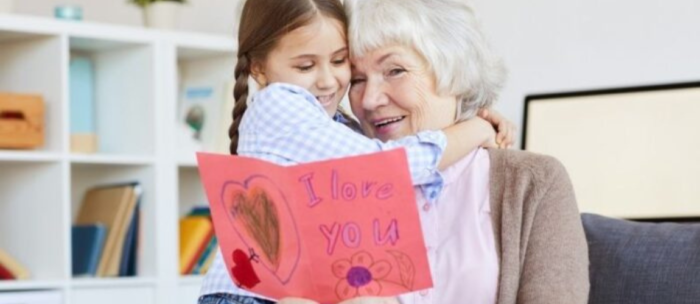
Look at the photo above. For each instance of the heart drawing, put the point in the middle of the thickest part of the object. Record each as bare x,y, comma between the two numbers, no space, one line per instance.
261,217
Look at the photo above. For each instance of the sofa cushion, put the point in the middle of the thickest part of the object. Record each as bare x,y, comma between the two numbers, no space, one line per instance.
642,263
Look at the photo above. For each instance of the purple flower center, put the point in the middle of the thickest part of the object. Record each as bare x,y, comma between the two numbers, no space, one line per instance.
359,276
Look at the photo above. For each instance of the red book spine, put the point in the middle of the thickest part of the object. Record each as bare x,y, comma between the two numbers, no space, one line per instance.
5,274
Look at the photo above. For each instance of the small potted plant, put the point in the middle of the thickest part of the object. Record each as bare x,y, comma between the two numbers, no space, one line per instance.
162,14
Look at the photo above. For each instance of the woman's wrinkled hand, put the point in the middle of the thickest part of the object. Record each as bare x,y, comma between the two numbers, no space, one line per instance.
371,300
505,137
296,301
360,300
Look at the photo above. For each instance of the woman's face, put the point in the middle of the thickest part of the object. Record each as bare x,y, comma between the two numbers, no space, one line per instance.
314,57
393,94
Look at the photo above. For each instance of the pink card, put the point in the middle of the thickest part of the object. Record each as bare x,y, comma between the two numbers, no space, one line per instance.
325,231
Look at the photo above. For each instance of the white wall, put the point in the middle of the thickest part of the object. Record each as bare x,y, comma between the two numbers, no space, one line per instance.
560,45
198,15
548,45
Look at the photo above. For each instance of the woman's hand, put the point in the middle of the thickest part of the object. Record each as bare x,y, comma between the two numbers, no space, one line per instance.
360,300
371,300
506,129
296,301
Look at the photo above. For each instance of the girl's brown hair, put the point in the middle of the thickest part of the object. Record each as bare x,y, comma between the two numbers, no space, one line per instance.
263,24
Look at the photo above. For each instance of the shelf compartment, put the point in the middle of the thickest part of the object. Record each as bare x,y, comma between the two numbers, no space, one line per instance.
33,217
33,64
211,71
87,175
123,94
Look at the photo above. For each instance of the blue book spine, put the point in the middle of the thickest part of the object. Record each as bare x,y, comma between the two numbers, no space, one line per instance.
82,98
87,244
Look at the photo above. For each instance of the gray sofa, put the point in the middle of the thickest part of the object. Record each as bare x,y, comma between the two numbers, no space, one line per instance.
640,263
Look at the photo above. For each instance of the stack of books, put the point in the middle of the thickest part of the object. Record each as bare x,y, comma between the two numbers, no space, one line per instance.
198,244
11,269
106,232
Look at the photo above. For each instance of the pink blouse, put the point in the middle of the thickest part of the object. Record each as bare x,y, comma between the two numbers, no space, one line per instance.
459,237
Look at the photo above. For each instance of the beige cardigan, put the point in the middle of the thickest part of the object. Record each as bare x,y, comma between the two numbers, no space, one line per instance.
540,240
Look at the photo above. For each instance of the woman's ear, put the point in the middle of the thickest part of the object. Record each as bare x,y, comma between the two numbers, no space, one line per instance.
257,71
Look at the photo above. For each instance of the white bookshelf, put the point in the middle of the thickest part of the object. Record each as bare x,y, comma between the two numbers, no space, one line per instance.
137,83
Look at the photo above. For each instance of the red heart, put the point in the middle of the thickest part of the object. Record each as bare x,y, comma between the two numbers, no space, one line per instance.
243,270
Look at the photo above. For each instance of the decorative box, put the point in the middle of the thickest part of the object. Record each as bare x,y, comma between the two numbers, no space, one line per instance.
21,121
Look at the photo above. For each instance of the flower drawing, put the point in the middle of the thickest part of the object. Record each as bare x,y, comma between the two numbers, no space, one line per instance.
359,276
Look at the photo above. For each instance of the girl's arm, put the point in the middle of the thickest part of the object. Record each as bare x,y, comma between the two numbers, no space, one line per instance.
464,137
285,121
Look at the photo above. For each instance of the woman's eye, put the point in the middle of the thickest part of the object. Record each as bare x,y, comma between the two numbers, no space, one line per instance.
340,61
396,72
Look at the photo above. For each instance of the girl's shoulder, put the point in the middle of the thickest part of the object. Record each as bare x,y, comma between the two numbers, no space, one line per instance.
281,106
284,100
285,92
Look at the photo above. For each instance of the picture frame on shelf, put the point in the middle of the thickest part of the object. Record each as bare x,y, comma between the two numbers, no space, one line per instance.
204,116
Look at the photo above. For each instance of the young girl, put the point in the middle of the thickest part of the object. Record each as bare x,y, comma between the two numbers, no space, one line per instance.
296,50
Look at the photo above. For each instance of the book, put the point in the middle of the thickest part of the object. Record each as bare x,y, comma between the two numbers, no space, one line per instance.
88,241
5,274
195,234
200,266
210,259
113,206
204,257
17,270
204,211
82,105
127,267
115,261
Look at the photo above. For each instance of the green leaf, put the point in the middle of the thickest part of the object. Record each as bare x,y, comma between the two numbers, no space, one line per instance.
407,270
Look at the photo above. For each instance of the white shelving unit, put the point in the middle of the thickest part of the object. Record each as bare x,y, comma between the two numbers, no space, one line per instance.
137,83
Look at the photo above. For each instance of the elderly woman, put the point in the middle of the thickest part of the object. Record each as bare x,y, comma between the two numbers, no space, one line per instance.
505,228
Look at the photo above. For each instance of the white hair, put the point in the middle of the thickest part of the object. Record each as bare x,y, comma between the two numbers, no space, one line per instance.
445,32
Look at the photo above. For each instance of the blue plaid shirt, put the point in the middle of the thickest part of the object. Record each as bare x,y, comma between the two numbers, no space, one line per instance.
285,124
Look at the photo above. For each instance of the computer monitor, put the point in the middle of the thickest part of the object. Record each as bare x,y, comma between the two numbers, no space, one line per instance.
630,152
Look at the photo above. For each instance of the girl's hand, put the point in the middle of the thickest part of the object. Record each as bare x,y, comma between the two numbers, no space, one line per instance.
486,132
506,129
371,300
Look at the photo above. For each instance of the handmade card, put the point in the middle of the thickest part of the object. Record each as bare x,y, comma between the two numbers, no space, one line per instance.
325,231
